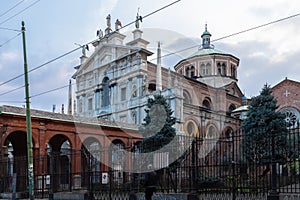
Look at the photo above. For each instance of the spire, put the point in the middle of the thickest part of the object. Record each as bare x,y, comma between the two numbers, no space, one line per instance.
70,99
206,38
158,69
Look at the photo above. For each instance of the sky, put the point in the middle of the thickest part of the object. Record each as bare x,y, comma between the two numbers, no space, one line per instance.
267,54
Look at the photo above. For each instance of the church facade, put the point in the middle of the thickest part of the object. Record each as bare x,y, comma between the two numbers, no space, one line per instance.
287,94
117,79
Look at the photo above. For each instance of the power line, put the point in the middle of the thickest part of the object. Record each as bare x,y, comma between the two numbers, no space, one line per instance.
237,33
10,29
12,79
52,90
143,17
221,38
12,90
12,101
12,8
19,12
1,45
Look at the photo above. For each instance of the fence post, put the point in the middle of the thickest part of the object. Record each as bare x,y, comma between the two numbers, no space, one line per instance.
193,195
233,170
274,195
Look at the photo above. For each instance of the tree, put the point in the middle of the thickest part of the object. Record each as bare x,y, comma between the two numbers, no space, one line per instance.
157,128
262,123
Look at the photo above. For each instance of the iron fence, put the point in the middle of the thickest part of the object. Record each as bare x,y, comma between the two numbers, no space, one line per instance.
209,166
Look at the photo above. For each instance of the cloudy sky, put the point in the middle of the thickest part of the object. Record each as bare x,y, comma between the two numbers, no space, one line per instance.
267,54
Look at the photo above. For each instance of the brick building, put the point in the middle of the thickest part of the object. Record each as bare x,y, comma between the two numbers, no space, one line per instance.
287,93
65,147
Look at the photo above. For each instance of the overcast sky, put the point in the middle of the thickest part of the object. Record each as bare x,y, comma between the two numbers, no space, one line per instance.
267,55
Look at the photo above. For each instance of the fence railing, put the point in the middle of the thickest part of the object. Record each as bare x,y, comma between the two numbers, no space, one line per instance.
221,170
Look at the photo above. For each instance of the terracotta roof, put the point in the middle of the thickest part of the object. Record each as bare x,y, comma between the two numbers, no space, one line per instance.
5,109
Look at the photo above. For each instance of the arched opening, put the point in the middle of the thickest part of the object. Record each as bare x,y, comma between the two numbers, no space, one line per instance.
59,163
231,108
117,161
16,155
90,162
187,97
207,103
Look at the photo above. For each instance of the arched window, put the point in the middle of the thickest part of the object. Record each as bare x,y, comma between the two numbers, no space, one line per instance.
106,92
208,69
202,70
206,104
192,73
233,71
229,134
224,69
187,97
211,132
292,117
231,108
219,69
187,71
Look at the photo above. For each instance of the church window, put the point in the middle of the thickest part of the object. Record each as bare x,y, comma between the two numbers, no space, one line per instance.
203,70
206,104
233,71
90,104
192,73
190,128
224,69
187,71
208,69
123,94
80,106
211,132
231,108
106,92
133,115
229,134
97,98
187,97
219,69
292,117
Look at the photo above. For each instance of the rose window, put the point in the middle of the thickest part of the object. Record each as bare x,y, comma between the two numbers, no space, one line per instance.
292,117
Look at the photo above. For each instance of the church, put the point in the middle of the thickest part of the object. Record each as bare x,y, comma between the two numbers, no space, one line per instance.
116,80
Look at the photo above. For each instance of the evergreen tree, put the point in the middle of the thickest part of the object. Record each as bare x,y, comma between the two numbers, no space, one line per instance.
261,123
157,128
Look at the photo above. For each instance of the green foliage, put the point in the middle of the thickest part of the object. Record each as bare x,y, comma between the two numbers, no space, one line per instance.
157,128
261,123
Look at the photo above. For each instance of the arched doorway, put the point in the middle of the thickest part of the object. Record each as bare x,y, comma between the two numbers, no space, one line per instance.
59,163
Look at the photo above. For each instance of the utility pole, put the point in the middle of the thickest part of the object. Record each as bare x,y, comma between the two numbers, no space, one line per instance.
28,121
